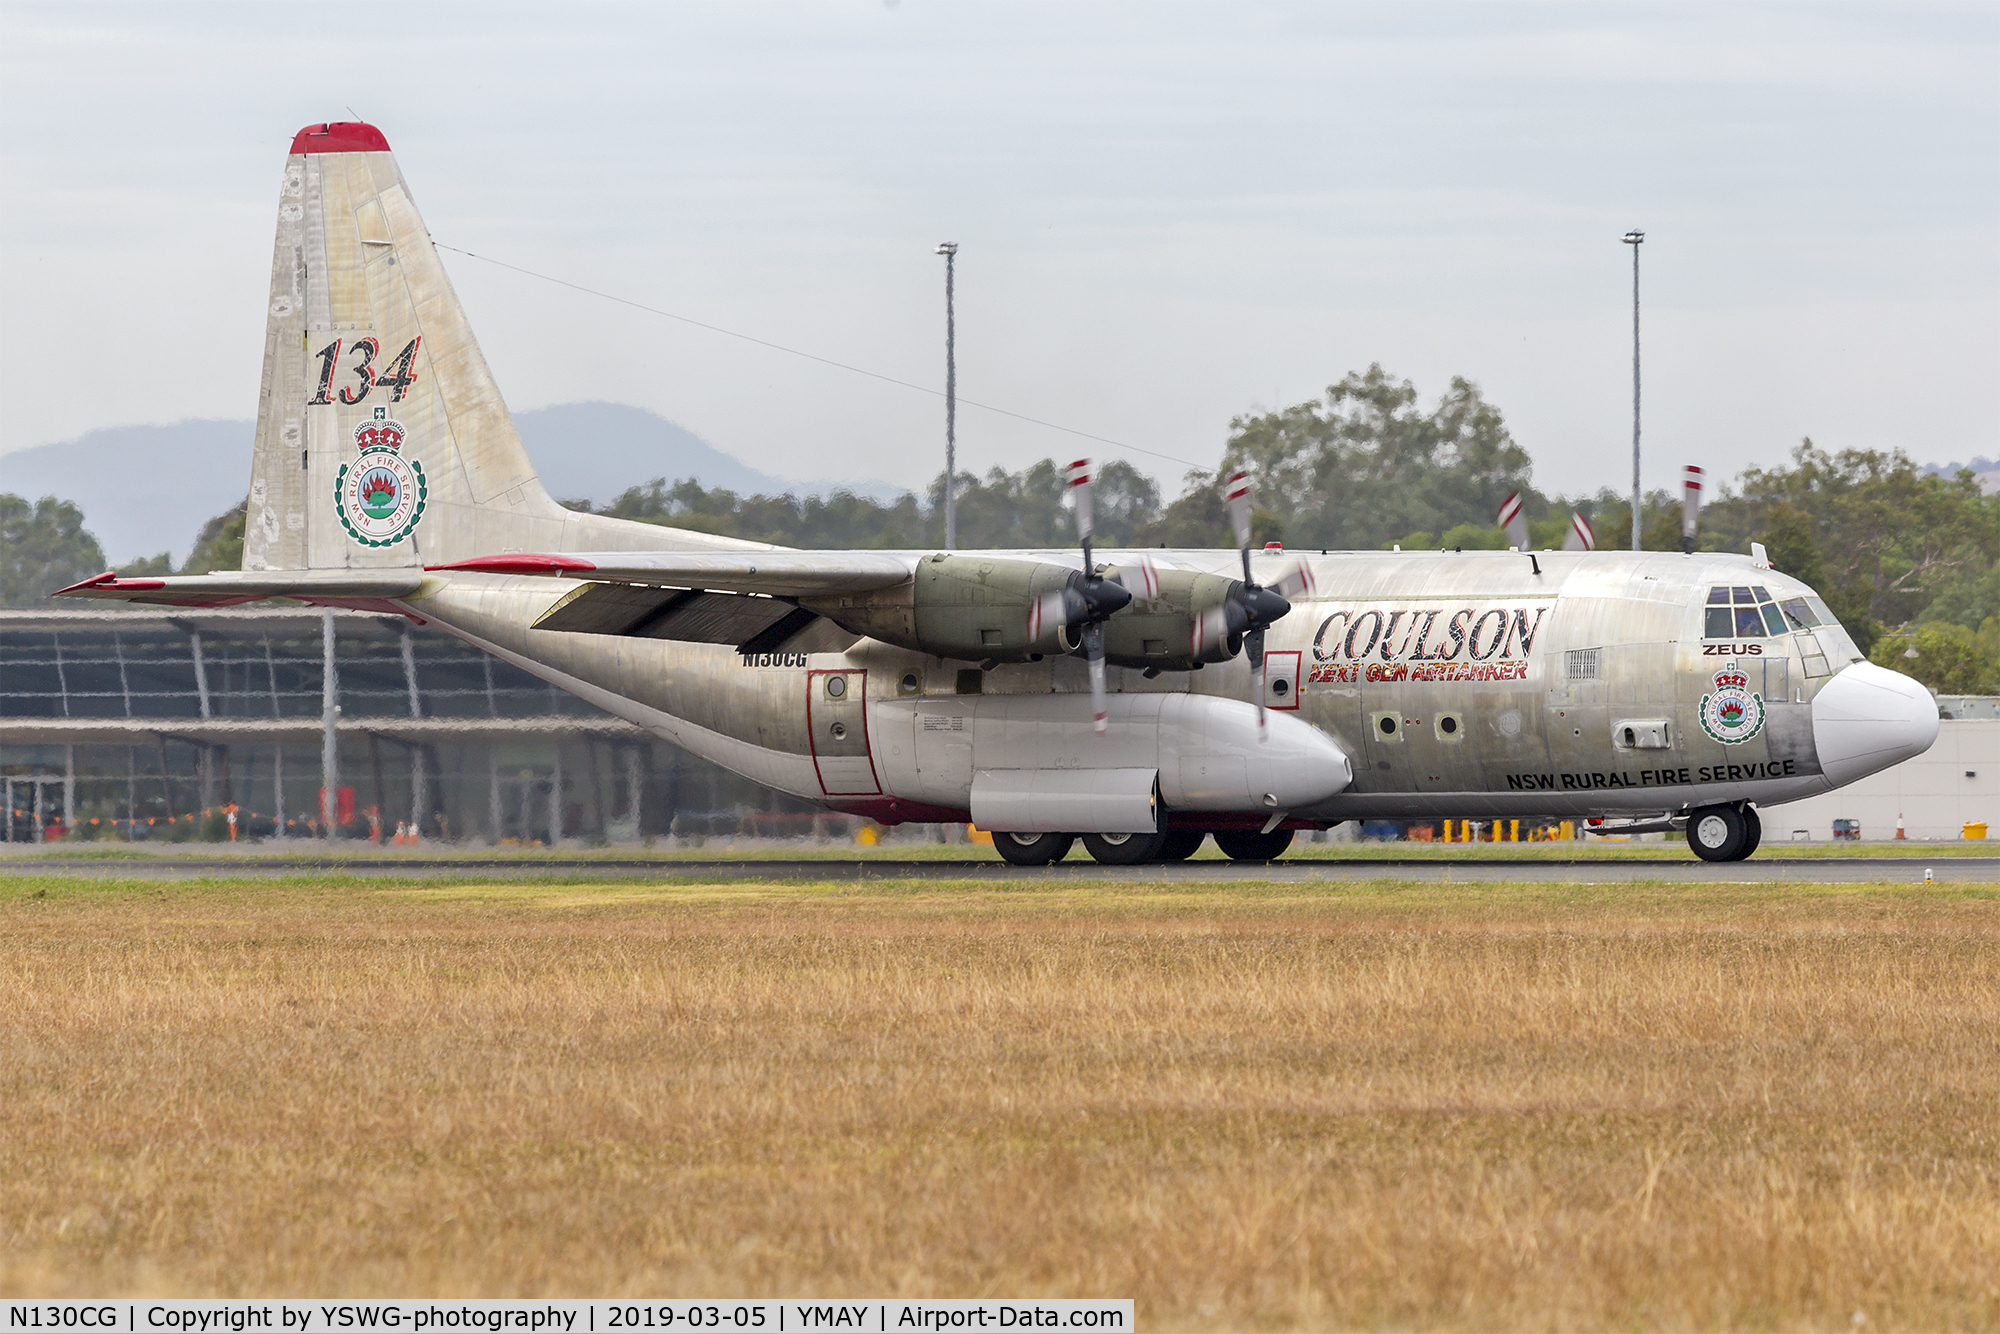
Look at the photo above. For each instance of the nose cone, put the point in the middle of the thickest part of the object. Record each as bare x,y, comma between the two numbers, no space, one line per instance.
1868,718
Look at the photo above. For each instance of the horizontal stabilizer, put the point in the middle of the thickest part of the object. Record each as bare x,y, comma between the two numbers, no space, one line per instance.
227,588
778,573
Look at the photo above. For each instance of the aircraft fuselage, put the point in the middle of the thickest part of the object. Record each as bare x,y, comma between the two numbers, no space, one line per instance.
1471,684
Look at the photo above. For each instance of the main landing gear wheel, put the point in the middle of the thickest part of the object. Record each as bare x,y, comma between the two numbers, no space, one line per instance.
1722,833
1032,849
1247,845
1177,845
1756,823
1123,849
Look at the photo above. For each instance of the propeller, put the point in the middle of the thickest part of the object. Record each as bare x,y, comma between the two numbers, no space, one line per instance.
1691,481
1251,608
1147,575
1087,599
1514,521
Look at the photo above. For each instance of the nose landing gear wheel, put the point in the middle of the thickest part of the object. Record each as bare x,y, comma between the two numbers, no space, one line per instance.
1032,849
1180,844
1247,845
1722,833
1123,849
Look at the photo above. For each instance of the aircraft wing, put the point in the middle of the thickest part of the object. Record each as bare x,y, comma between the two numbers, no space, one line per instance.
777,573
227,588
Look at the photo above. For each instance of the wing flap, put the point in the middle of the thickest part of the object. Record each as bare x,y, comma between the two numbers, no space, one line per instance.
753,623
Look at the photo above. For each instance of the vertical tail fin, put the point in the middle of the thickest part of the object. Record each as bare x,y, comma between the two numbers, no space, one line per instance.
382,440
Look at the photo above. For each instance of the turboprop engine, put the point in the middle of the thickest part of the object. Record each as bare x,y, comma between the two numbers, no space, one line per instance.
1181,619
982,608
995,609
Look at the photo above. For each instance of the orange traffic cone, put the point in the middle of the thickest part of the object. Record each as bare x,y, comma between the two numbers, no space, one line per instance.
1899,824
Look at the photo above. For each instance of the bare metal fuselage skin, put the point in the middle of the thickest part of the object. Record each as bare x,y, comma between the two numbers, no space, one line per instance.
387,472
1473,684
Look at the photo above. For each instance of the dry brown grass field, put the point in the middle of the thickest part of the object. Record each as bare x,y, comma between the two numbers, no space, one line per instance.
1362,1105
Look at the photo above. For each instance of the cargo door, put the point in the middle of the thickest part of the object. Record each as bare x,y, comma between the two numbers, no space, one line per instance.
837,725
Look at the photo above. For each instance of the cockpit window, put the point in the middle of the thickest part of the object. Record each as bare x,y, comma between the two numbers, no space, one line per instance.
1740,612
1839,645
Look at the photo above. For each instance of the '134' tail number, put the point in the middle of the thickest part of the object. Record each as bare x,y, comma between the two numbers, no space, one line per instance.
396,380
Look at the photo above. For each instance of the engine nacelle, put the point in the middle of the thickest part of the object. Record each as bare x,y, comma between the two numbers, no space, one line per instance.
975,607
1160,631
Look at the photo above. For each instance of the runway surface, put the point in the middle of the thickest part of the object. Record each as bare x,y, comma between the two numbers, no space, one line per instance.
1820,870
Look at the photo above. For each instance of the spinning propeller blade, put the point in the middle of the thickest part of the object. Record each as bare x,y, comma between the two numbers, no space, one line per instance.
1097,598
1251,607
1236,497
1253,644
1093,647
1079,490
1146,573
1297,580
1048,612
1691,486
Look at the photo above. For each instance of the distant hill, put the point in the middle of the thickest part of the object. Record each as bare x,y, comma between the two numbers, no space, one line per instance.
1986,471
592,451
142,489
148,489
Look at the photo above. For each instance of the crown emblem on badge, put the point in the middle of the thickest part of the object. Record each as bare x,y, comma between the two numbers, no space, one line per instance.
381,495
385,434
1734,713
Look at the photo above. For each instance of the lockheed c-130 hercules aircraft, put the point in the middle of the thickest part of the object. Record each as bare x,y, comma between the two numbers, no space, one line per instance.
1138,700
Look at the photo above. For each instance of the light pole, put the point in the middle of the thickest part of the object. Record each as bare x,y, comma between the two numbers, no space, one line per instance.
949,250
1635,239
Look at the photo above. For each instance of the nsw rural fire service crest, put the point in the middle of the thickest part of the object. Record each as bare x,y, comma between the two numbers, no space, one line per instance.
1733,714
380,496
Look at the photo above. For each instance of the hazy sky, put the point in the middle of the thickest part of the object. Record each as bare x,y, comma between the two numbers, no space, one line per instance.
1169,215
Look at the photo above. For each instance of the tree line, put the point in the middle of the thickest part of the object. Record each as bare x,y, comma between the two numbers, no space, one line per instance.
1906,560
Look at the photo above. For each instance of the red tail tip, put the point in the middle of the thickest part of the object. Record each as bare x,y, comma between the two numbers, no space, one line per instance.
339,136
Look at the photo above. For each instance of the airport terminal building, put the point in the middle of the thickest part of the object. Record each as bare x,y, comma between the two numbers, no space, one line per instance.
155,723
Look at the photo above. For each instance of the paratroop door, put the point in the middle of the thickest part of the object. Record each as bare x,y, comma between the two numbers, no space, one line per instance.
837,724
